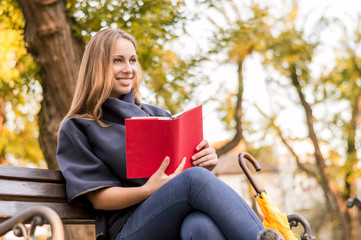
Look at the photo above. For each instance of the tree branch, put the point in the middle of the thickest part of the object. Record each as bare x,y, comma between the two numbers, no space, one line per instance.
300,165
332,194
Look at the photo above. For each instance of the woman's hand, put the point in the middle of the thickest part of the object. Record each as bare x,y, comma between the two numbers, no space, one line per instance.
206,156
159,178
112,198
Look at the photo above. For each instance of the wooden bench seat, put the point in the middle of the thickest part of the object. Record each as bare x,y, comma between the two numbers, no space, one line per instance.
24,188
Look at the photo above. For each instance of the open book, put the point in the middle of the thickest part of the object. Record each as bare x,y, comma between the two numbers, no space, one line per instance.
149,140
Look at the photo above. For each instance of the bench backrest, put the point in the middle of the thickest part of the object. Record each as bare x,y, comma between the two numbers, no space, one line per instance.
22,188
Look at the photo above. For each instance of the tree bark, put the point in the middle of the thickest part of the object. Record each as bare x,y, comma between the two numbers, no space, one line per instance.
58,54
2,114
333,196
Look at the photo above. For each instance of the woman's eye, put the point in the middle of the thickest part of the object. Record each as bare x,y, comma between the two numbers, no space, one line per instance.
117,60
133,60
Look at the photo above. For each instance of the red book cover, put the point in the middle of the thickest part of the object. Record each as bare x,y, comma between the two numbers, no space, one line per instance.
150,140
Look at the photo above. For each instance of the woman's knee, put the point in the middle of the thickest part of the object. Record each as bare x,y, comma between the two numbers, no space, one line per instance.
197,173
198,226
194,180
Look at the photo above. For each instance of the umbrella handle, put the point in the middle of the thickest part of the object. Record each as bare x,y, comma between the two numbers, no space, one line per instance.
248,173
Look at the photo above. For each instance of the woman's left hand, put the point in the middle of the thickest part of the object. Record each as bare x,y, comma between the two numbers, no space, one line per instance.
206,156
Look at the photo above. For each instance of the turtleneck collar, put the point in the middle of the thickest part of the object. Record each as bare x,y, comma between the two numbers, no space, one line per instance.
117,110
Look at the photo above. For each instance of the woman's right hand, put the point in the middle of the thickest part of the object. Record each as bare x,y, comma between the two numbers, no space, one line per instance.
113,198
159,178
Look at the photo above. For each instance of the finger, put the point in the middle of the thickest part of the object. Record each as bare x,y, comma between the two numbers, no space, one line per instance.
204,152
210,165
210,157
181,166
164,165
204,143
211,162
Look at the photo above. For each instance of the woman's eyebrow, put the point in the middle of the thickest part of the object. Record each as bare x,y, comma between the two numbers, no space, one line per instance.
121,56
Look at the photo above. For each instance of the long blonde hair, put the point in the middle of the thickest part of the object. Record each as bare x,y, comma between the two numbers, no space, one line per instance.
95,78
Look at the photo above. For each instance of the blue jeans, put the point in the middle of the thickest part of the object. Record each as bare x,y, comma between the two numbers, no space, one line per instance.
193,205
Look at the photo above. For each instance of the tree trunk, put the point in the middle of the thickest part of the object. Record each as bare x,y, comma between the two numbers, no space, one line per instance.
351,167
2,122
2,114
79,232
333,196
58,54
237,117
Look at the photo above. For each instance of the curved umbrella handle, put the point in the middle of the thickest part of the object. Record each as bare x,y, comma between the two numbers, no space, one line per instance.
248,173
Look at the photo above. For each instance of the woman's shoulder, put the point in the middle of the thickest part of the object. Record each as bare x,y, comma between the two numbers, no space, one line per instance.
75,124
155,111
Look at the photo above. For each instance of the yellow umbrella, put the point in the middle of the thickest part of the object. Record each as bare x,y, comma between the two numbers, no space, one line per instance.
274,218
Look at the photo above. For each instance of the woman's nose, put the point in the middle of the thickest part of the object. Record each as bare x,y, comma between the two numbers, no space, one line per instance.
127,68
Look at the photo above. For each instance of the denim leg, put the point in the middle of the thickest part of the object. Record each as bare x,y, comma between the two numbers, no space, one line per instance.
227,209
198,225
196,189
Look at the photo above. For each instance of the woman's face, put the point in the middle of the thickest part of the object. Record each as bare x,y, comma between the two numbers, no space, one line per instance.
124,67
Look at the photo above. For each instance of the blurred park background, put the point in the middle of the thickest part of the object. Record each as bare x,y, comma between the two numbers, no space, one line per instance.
277,79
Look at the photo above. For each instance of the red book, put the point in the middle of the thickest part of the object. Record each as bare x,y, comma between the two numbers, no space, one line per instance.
150,140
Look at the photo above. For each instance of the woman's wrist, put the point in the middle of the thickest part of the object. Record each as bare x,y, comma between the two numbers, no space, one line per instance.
145,190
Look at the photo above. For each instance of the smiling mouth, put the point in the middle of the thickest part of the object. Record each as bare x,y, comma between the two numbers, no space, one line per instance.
125,80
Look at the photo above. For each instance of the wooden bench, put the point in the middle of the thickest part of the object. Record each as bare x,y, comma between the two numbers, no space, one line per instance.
37,196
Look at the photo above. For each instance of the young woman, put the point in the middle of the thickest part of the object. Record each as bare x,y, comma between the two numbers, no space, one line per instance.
190,204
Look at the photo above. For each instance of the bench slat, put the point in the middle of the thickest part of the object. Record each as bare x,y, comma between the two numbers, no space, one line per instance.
69,214
31,174
22,188
16,190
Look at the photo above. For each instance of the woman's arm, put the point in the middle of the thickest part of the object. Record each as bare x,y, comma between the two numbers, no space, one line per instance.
113,198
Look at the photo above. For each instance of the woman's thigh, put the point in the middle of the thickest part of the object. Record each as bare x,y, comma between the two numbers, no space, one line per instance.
160,216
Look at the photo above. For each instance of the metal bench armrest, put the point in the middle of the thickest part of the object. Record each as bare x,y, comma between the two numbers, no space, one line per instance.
35,216
294,219
354,202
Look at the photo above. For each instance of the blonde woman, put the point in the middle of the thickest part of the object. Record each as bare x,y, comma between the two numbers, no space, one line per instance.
190,204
